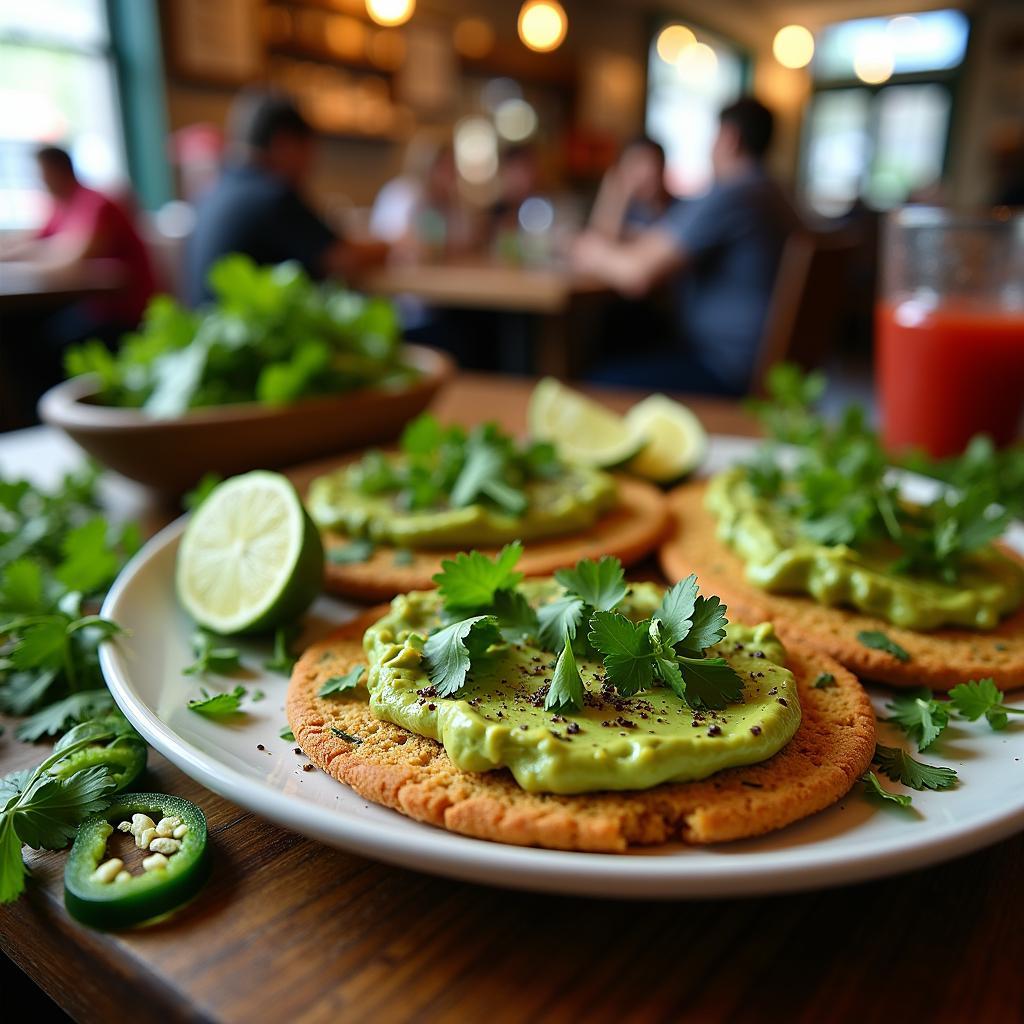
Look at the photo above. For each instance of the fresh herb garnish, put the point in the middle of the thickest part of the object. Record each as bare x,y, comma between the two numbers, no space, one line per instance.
43,812
272,336
566,691
470,581
287,734
218,704
875,788
879,641
981,697
589,587
212,657
347,737
824,680
282,660
339,684
62,714
899,766
449,653
920,716
352,553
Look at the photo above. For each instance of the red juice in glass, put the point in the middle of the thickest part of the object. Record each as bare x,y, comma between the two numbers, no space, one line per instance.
947,372
949,330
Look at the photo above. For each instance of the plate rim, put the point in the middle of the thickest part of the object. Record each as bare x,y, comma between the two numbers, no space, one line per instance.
609,875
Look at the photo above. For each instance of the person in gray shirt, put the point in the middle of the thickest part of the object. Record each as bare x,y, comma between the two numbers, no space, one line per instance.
721,255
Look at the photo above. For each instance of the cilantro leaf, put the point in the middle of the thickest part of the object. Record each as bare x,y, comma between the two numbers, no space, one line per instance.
40,644
878,641
346,736
49,812
448,654
558,619
920,716
352,553
287,734
566,691
671,674
982,697
874,788
600,584
12,785
57,717
516,616
676,611
12,867
709,624
281,660
823,681
422,436
339,684
710,682
470,581
218,704
219,660
901,767
89,563
22,588
627,650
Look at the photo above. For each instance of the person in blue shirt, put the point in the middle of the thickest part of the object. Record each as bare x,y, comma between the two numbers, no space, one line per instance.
721,255
257,206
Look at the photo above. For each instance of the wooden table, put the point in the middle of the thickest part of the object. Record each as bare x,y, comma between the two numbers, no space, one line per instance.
289,930
554,294
28,286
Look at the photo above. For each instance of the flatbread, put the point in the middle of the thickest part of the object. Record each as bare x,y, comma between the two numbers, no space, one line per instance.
413,775
630,531
939,659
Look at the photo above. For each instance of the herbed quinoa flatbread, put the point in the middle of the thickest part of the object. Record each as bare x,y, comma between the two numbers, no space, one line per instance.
412,774
939,659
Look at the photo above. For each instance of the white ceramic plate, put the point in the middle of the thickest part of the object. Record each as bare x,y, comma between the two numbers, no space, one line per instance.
856,839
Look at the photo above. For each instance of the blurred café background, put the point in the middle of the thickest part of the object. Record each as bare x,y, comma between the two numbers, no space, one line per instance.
544,187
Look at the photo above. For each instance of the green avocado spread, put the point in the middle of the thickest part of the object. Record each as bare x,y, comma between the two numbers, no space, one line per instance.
569,502
614,743
780,560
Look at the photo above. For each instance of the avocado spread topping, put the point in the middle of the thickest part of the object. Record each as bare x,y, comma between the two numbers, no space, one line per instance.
448,488
617,738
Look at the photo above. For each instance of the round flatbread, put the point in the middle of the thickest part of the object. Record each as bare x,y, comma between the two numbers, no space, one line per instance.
412,774
939,660
633,529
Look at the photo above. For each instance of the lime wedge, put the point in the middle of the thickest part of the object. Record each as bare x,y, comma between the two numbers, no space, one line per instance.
676,439
582,430
251,558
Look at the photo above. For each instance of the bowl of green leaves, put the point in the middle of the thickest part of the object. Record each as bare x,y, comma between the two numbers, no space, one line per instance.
277,370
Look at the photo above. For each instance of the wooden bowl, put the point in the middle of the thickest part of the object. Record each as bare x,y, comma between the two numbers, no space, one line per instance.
171,455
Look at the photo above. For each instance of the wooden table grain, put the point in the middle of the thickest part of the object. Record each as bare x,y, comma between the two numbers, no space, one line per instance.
288,930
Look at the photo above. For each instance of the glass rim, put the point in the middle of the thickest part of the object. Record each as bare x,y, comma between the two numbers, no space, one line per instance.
931,216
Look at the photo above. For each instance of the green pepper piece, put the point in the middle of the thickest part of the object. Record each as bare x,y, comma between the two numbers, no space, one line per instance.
144,896
117,746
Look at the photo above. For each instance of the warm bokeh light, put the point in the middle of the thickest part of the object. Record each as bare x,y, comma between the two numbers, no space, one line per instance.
476,150
873,62
515,120
345,37
390,12
793,46
672,40
542,25
473,38
386,49
697,63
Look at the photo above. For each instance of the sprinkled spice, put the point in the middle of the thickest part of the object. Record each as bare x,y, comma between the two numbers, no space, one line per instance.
755,730
573,728
431,707
259,746
715,730
758,654
297,750
309,767
784,702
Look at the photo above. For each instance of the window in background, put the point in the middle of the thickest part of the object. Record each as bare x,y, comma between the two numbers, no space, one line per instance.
57,85
877,126
691,75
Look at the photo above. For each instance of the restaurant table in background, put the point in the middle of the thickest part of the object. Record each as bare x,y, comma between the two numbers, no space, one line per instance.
553,294
291,930
29,286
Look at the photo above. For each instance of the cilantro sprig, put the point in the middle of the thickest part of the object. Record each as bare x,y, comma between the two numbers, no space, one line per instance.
982,697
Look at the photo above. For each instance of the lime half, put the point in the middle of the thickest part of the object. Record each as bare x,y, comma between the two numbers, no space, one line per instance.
676,439
251,558
582,430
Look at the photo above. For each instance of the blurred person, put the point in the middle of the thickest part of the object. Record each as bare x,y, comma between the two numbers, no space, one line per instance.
421,213
632,195
723,250
83,225
518,178
257,207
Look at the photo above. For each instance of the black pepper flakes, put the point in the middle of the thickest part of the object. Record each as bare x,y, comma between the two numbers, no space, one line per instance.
715,730
755,730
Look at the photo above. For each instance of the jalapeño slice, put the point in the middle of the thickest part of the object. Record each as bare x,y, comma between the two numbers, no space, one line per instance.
105,895
116,746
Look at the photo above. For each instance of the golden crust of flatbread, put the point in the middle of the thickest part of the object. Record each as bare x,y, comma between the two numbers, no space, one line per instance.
412,774
940,659
633,529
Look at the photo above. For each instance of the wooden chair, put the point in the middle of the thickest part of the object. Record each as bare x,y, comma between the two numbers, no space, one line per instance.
807,303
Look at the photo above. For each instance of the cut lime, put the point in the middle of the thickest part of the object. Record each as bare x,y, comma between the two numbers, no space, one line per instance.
676,439
251,558
582,430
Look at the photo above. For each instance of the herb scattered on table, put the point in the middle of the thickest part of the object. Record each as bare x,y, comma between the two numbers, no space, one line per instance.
217,705
287,734
282,660
212,656
874,788
899,766
920,716
975,699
